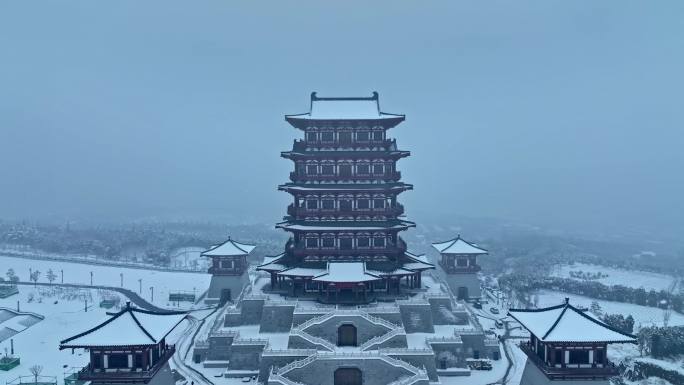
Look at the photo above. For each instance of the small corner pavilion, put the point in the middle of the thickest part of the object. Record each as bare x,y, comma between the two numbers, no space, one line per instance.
459,255
568,344
129,347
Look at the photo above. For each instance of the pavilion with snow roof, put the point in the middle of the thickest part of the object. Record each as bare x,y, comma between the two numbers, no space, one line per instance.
567,344
458,262
228,270
345,218
129,347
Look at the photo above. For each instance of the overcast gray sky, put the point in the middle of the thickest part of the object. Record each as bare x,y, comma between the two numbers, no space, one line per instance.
551,112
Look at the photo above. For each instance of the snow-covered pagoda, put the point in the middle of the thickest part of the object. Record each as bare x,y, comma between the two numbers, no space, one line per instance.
129,347
458,263
228,270
566,344
345,219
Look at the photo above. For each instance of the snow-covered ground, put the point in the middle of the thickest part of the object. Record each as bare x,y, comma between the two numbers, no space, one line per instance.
479,377
189,258
163,282
39,344
614,276
643,315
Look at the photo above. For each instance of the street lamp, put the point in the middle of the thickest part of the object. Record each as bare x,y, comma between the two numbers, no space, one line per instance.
140,284
91,278
121,275
62,271
152,293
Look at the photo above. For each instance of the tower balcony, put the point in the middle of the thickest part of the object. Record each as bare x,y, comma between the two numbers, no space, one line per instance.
454,269
300,212
110,376
570,371
300,251
392,176
384,144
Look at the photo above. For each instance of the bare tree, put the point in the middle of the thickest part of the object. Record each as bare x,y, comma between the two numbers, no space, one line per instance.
51,276
35,370
35,275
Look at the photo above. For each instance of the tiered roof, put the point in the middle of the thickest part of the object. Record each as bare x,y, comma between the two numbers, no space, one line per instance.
229,248
129,327
566,323
346,272
458,246
344,108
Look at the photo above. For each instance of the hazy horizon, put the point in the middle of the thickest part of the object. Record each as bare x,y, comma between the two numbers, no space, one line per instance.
564,114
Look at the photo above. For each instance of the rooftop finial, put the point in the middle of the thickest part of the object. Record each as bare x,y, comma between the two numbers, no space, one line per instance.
567,300
128,304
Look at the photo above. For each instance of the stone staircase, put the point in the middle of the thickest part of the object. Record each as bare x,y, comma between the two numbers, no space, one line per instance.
319,342
375,341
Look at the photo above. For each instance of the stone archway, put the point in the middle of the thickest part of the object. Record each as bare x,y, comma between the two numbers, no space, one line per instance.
348,376
346,335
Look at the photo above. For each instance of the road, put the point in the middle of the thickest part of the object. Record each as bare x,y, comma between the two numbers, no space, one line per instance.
183,346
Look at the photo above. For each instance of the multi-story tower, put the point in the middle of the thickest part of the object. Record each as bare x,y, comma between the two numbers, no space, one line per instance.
228,270
459,266
345,218
567,346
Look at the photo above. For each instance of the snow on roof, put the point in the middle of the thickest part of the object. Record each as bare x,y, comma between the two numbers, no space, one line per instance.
419,262
458,246
357,186
130,326
271,263
345,108
566,323
346,272
395,272
335,227
301,272
229,248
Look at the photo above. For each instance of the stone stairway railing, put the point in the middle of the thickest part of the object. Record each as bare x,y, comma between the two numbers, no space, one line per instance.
313,339
274,376
382,338
297,364
422,376
314,321
337,356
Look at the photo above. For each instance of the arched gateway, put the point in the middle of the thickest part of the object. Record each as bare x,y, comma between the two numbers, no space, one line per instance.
346,335
348,376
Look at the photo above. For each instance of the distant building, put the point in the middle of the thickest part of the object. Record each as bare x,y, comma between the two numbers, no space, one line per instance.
567,346
130,347
459,266
228,270
345,218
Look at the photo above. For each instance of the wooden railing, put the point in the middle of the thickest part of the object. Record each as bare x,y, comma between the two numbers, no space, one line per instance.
569,373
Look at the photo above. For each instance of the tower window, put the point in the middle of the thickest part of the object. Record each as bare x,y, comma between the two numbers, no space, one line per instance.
311,169
345,138
327,169
310,136
327,136
328,242
379,203
377,135
363,242
311,204
379,242
579,356
363,169
311,243
363,204
362,136
378,169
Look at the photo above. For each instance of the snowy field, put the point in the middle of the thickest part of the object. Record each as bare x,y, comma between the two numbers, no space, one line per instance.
630,278
643,315
163,282
189,258
39,344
